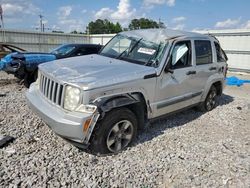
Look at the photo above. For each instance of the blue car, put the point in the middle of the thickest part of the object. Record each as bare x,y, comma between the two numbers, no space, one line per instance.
24,65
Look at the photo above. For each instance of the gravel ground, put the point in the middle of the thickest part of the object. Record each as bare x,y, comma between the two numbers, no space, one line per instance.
188,149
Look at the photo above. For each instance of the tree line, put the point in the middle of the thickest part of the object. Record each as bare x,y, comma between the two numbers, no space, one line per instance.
105,26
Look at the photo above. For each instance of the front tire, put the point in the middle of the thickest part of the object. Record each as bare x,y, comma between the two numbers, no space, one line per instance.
115,132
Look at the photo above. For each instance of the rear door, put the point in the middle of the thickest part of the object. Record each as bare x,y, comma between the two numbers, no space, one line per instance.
205,64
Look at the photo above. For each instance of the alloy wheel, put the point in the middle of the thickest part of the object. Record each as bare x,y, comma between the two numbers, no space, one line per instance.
120,136
211,100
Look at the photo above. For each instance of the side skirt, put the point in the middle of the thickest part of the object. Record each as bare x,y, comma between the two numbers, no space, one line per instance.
174,112
178,100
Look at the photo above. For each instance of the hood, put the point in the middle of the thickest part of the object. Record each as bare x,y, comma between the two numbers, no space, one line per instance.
93,71
28,57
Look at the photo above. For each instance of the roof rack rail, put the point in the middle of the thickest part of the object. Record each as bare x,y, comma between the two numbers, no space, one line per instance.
211,35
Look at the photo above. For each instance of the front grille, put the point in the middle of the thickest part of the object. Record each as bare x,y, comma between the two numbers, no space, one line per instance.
51,89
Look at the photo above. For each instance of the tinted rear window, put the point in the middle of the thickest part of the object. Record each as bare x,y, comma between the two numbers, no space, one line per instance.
220,54
203,52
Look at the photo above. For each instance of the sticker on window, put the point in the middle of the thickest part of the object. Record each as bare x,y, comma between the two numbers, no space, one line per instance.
146,51
178,53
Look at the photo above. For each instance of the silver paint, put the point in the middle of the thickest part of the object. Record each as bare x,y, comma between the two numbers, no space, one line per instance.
99,76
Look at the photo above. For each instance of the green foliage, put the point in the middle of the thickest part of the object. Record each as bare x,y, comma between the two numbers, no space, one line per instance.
55,31
144,23
76,32
104,27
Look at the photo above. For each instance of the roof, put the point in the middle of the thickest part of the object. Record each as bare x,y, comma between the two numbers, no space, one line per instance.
85,45
159,35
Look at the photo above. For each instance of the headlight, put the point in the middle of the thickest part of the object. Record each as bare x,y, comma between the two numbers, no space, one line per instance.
71,98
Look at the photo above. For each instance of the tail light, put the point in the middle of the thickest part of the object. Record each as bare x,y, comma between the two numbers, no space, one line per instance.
226,70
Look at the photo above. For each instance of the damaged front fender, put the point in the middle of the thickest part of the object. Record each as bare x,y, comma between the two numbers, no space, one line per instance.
106,104
134,101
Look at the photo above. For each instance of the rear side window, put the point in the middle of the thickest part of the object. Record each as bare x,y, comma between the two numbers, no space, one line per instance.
86,51
93,50
220,54
81,51
203,52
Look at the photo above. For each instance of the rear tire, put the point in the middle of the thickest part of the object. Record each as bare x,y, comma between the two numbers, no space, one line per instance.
210,102
115,132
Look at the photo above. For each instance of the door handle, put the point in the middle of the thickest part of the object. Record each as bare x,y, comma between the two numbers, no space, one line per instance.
212,68
191,72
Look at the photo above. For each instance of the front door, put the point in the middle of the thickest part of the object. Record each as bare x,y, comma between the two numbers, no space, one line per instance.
176,88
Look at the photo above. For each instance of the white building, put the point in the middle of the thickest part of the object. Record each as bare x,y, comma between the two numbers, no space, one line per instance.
235,42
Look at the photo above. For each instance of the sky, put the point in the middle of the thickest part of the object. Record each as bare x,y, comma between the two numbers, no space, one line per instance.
66,15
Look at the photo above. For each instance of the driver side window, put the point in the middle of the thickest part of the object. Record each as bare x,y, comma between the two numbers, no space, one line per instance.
181,55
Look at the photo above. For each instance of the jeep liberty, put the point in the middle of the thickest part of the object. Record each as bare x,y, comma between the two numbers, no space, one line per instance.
100,101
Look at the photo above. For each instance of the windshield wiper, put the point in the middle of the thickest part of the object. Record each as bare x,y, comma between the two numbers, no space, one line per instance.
133,47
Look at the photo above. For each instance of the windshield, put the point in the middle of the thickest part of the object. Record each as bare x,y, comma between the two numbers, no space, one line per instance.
62,51
135,50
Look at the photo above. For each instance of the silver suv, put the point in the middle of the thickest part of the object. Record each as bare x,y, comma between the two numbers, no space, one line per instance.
100,101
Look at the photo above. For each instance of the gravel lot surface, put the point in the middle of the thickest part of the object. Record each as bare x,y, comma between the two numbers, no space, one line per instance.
188,149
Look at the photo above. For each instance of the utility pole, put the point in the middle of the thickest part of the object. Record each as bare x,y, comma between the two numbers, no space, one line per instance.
88,33
160,25
41,22
2,25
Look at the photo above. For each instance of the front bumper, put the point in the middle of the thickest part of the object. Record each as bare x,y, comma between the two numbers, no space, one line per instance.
68,125
11,67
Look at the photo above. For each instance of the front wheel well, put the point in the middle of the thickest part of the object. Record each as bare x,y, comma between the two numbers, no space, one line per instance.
139,109
135,102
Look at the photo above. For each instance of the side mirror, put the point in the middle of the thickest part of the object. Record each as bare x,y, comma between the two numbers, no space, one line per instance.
168,67
169,71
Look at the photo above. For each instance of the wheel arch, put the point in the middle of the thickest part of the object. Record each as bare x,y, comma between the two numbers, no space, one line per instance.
133,101
218,84
219,87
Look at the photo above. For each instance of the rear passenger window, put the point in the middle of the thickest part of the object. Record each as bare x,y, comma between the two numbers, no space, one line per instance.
220,54
203,52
